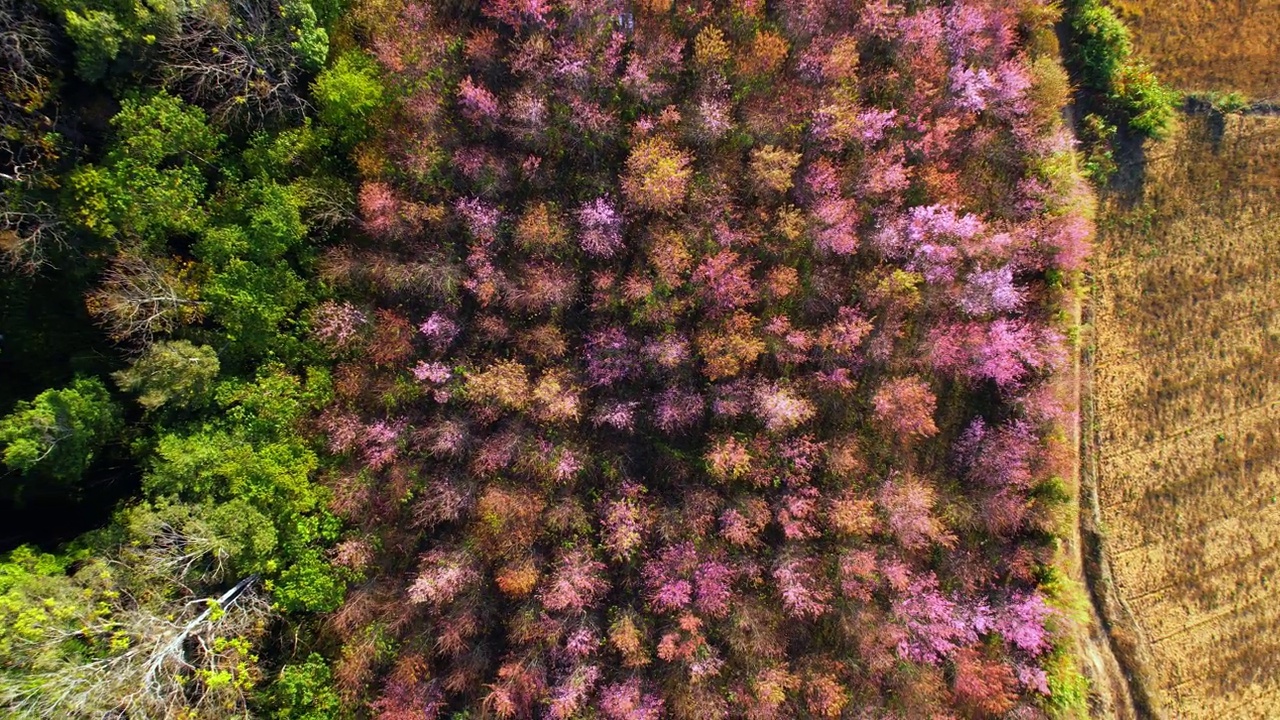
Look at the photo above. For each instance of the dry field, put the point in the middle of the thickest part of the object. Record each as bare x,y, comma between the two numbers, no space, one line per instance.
1187,398
1210,44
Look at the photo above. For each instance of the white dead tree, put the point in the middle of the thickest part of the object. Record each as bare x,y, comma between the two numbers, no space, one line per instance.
25,59
182,661
178,552
140,298
145,644
29,230
235,59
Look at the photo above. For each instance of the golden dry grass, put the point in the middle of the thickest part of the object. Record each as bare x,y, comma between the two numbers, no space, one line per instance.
1187,390
1210,44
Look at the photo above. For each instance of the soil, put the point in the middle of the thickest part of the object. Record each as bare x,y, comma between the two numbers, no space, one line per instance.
1180,516
1110,694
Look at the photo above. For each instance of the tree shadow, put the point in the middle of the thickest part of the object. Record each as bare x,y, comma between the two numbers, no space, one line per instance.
1128,185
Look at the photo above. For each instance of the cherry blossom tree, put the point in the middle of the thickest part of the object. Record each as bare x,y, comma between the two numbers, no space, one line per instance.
906,406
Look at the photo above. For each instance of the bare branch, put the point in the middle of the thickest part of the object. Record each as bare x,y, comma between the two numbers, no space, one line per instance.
139,298
161,671
25,60
29,229
237,62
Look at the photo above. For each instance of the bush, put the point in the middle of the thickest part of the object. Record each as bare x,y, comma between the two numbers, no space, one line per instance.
1105,54
1096,136
1104,43
1149,105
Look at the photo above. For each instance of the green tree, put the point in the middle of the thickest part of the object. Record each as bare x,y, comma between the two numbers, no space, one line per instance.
219,541
169,371
97,36
306,691
57,434
107,32
162,128
152,181
252,289
311,40
348,94
34,593
253,453
282,155
309,584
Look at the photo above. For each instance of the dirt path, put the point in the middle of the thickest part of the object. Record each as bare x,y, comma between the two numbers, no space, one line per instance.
1114,651
1111,694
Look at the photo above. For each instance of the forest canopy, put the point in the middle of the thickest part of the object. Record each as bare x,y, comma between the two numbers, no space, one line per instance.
538,359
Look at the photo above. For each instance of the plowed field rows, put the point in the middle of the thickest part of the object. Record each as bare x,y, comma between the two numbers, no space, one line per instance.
1198,45
1187,385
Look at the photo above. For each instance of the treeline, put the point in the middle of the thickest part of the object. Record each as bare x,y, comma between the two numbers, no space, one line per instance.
170,172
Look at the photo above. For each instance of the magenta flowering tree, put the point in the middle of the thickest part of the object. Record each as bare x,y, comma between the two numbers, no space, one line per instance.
630,700
670,577
576,583
338,325
1022,623
797,513
380,208
678,410
781,409
844,335
725,281
991,291
443,577
611,356
1005,352
600,226
907,503
439,330
625,522
802,588
742,525
668,352
935,627
1000,457
477,104
616,414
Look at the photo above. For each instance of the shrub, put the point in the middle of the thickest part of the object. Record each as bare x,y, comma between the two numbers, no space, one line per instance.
1104,43
1150,106
1105,53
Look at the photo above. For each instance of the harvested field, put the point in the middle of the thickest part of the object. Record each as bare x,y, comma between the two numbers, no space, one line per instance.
1187,398
1209,44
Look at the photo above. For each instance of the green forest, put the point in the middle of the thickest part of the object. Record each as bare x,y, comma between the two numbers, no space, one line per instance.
416,359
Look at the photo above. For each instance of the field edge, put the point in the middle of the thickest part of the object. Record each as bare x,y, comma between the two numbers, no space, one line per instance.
1117,656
